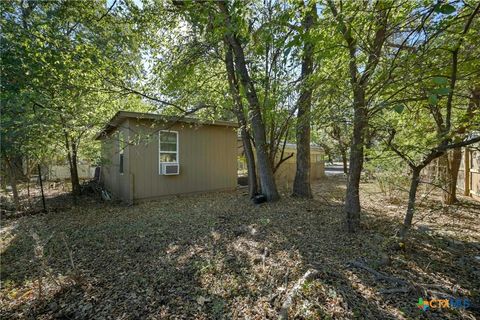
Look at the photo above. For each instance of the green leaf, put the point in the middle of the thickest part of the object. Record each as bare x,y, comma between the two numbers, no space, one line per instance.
440,80
445,8
441,91
399,108
433,99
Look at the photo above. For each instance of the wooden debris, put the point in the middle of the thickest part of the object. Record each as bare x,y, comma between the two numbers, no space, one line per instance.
309,275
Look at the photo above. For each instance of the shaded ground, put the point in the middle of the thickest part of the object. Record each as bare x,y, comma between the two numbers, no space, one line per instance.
218,256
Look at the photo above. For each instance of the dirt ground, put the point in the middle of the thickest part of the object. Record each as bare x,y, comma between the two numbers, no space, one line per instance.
217,256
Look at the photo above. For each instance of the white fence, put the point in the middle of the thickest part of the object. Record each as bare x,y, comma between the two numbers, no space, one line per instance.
55,172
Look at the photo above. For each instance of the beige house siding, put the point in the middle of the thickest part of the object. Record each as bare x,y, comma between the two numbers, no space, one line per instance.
117,183
285,174
207,158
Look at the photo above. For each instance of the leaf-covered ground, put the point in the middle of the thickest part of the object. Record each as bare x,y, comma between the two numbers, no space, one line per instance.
219,256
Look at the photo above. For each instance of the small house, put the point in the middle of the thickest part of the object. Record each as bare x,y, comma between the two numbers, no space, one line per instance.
147,156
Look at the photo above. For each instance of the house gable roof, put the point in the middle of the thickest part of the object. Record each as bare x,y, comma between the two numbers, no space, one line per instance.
121,116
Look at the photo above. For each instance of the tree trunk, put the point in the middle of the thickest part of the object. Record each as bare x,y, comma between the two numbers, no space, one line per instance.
13,183
267,180
454,161
442,175
412,195
301,183
344,160
239,112
41,187
252,173
74,170
72,164
352,200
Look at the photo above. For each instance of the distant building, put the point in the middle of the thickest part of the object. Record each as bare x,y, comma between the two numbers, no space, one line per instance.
285,174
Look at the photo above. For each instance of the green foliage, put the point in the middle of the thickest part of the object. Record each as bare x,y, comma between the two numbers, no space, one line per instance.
444,8
57,58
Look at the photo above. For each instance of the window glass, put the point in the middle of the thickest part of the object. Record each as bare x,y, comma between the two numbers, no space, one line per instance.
170,137
168,157
168,146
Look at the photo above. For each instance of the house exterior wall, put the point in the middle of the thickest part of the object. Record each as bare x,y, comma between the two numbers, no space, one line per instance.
114,181
285,174
468,179
207,159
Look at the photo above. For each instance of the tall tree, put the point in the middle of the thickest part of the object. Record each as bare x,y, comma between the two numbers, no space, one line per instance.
301,184
265,171
360,78
240,113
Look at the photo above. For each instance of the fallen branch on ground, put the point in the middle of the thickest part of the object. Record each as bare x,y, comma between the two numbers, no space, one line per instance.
406,286
309,275
395,290
376,274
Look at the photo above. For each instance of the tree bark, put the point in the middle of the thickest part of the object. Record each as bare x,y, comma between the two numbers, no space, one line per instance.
13,183
251,168
72,164
74,172
239,112
267,180
412,195
344,160
352,200
359,82
41,187
301,183
454,159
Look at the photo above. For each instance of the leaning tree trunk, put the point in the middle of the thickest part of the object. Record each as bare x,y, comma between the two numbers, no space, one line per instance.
301,183
239,112
267,180
352,200
454,159
252,173
13,183
412,195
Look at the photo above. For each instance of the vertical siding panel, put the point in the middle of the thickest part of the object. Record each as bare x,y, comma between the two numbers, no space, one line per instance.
207,157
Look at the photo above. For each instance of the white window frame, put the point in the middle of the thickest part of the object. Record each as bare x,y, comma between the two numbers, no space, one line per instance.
173,152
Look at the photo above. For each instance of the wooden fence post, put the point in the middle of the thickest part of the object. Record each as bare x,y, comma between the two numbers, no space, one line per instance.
466,189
